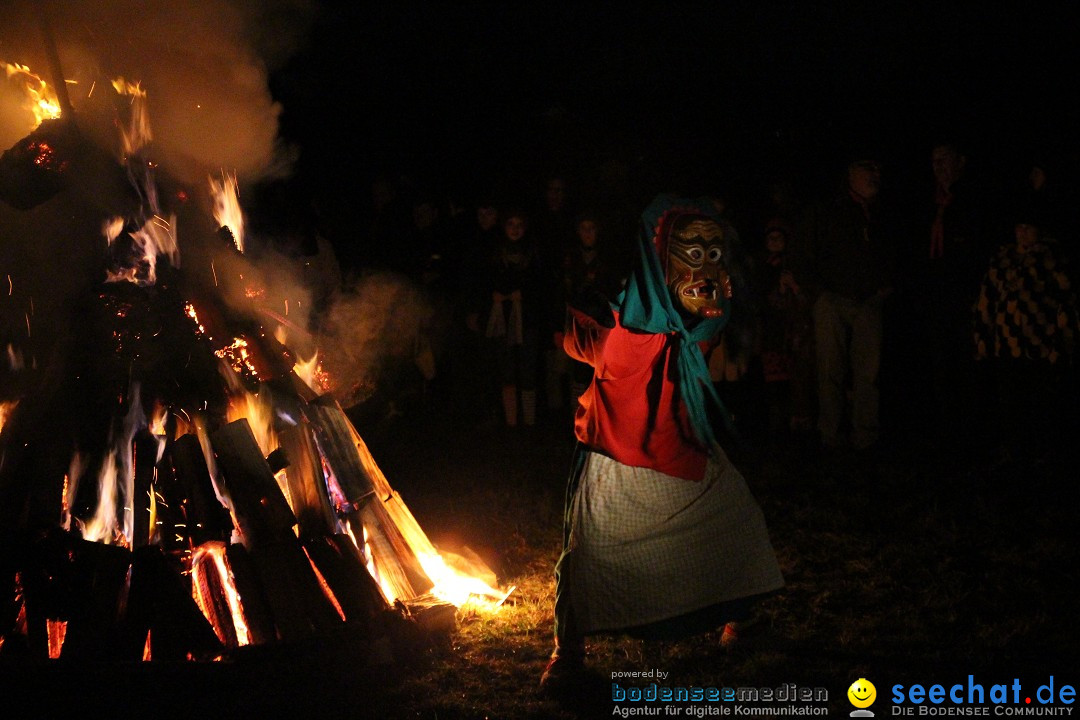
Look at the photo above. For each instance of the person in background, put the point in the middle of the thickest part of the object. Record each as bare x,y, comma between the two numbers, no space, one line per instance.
586,270
554,233
957,250
786,335
1026,326
514,318
849,263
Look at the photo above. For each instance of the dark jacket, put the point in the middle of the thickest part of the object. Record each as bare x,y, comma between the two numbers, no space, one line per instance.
848,250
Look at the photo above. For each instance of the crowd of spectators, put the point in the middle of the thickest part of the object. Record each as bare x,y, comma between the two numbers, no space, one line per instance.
942,312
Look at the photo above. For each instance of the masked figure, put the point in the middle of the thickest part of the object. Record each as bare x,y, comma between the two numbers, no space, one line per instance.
662,537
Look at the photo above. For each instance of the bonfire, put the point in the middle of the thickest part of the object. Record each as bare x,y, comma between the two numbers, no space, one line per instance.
178,475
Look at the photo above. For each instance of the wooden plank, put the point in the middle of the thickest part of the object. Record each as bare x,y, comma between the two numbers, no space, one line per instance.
205,518
159,602
307,485
395,559
342,566
297,602
144,450
261,509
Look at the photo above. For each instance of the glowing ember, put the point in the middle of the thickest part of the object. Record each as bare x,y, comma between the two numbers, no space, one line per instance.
238,357
189,310
6,408
209,568
325,586
40,99
57,633
227,212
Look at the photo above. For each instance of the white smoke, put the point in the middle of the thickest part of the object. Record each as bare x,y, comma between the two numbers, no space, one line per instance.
204,66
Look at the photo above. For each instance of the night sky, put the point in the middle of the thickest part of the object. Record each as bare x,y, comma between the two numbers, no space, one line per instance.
714,96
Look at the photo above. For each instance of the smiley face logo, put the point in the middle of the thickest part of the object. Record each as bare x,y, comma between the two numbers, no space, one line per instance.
862,693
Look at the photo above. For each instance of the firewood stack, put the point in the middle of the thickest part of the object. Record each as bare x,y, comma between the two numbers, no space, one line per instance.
125,537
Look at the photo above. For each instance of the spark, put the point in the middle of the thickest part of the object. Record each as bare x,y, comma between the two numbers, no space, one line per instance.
27,316
212,270
92,86
11,286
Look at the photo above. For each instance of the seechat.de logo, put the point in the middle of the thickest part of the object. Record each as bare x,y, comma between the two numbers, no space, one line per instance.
862,694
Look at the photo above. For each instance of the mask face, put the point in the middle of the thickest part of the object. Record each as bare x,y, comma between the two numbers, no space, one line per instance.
696,274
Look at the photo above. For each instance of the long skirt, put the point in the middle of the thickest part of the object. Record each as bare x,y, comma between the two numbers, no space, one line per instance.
642,547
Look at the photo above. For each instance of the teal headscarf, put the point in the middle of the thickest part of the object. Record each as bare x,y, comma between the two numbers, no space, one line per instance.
645,304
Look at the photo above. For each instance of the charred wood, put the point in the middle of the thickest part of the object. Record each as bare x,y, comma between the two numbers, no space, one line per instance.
145,451
160,603
258,616
205,518
300,607
261,509
342,566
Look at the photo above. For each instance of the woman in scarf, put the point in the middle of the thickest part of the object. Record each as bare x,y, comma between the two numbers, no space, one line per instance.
662,538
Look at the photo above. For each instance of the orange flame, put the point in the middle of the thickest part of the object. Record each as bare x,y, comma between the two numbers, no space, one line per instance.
137,134
40,99
456,580
259,412
227,212
6,408
312,373
116,482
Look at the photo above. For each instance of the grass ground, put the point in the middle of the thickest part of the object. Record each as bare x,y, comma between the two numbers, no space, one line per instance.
915,566
911,567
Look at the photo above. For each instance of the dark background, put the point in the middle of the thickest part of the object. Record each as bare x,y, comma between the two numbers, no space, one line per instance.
631,100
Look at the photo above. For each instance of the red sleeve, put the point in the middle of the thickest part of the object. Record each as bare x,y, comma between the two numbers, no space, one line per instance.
584,337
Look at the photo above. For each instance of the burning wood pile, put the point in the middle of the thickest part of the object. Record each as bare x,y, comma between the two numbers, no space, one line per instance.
175,481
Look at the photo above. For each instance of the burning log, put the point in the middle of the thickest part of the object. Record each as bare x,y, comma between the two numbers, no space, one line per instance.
78,583
159,604
307,486
205,518
296,599
145,451
299,605
262,512
341,565
257,612
395,561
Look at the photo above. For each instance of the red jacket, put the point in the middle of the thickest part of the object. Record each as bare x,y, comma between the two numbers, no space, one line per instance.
631,411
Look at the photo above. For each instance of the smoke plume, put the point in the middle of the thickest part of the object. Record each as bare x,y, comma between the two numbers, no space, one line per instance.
204,66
